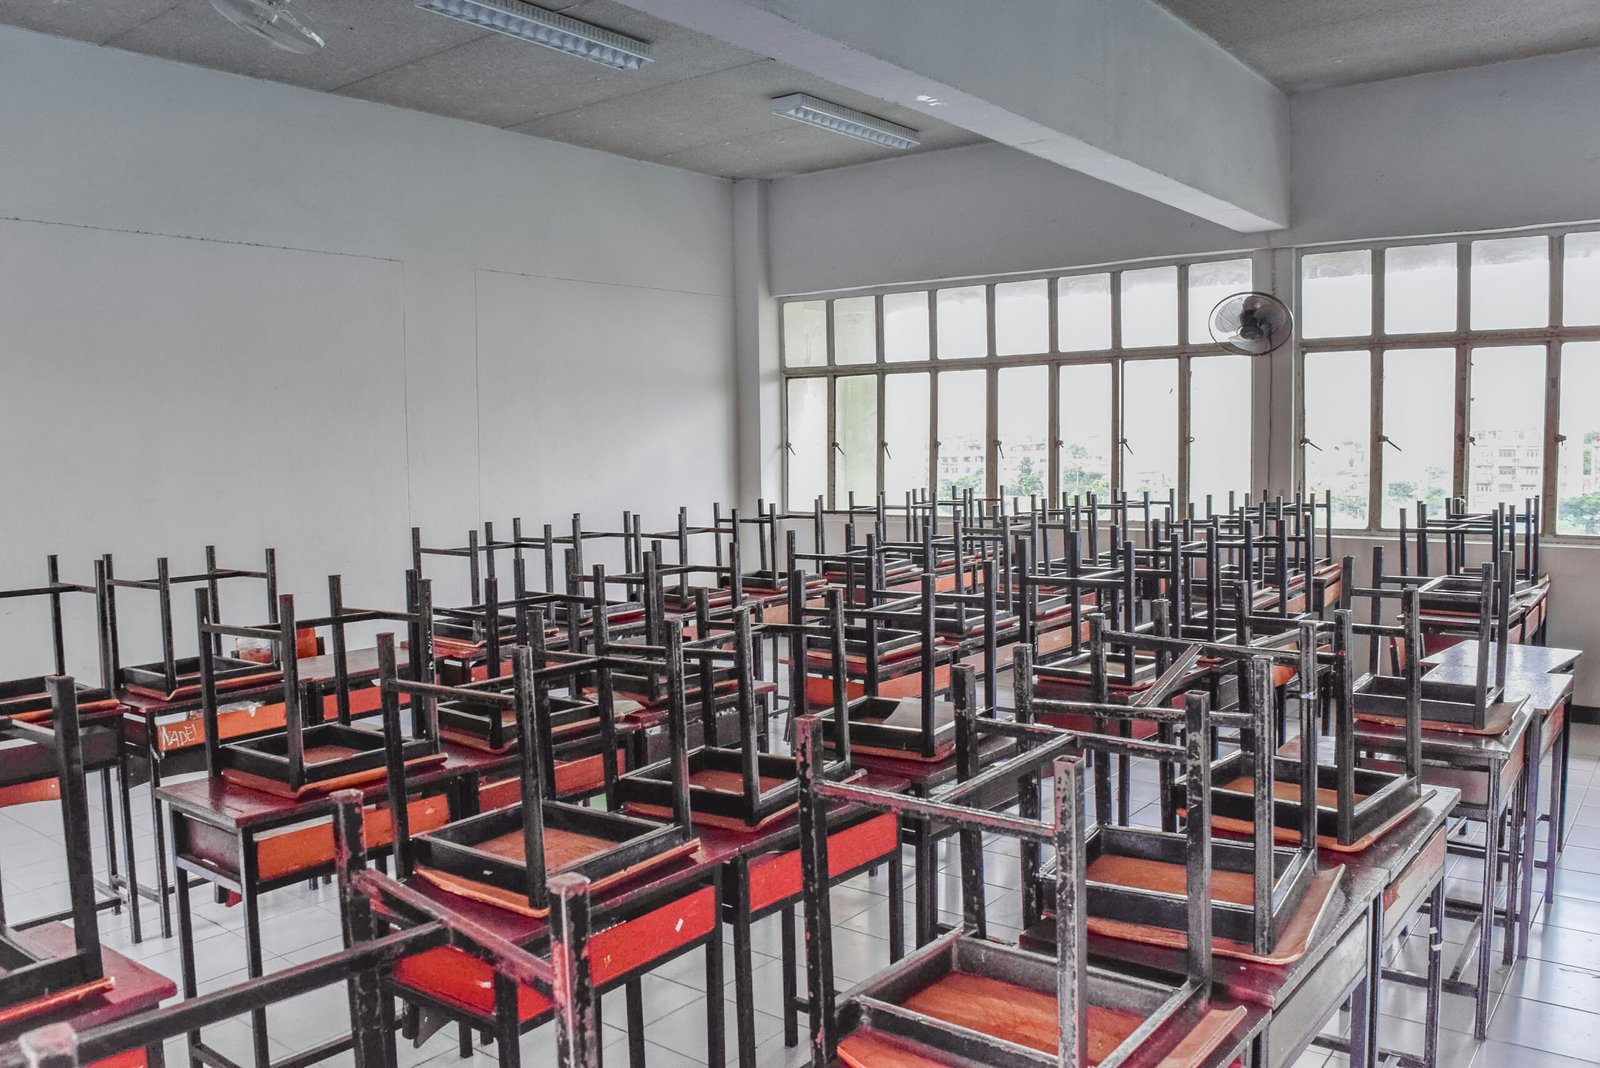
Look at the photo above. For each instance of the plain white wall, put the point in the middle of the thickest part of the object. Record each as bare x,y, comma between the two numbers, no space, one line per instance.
1500,146
242,313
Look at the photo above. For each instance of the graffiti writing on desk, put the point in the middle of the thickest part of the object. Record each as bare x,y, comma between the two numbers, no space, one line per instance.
191,731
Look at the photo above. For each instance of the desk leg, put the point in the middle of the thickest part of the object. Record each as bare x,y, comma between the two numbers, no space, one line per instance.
791,1018
716,1024
1564,743
126,809
1557,814
897,904
186,959
507,1026
163,879
1430,1032
1513,848
634,995
109,826
743,983
1361,1020
1530,835
252,940
1491,871
1374,985
927,863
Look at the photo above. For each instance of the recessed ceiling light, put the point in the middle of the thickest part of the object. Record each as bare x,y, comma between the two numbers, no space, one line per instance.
528,22
836,117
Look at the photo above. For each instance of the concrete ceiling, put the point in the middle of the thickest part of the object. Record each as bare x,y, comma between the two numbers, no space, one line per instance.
1311,44
701,105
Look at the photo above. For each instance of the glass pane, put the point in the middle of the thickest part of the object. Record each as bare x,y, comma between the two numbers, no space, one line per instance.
906,411
1578,489
1338,393
1150,426
1024,405
1083,313
1219,423
1580,289
1086,429
855,330
963,407
856,463
805,333
1419,289
1419,418
808,440
1209,283
905,326
1336,294
1510,283
1505,454
1149,307
963,323
1022,317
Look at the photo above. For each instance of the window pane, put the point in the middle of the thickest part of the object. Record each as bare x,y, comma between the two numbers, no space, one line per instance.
1419,417
1510,283
856,466
805,333
855,331
1338,394
1578,494
963,323
1024,405
1209,283
1086,429
1022,317
1150,307
1150,425
1419,289
1505,455
808,438
1083,313
906,411
1580,289
905,326
963,407
1219,423
1336,294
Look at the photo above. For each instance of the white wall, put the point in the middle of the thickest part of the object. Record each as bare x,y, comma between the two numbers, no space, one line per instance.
238,312
1501,146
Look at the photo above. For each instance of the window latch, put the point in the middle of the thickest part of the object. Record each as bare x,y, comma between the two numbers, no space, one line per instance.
1561,439
838,448
1124,443
790,446
1312,444
886,451
1387,440
1000,446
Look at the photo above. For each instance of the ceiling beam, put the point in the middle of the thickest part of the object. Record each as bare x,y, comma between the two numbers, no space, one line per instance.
1117,89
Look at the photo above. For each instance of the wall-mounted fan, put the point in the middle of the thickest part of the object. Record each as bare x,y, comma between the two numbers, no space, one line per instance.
274,21
1251,324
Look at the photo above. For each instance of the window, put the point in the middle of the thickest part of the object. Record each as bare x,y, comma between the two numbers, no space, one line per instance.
1024,430
906,416
1219,428
1337,432
1578,480
1085,408
963,323
1068,384
1461,368
808,440
1150,426
855,330
805,333
963,443
1418,423
856,419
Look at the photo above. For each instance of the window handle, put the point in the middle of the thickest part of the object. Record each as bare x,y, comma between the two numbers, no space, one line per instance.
1387,440
1308,441
1561,439
886,451
1124,443
1001,446
838,448
790,446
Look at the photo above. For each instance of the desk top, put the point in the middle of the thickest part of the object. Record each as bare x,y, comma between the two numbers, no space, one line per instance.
1454,747
360,664
1519,658
135,988
1544,690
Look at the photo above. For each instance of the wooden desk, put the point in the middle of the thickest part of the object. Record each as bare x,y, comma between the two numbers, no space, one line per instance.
1520,659
135,989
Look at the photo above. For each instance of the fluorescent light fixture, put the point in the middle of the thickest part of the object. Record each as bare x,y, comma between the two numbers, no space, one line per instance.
840,119
528,22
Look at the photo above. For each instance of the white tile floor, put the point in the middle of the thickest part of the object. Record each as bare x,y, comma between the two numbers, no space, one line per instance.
1550,1018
